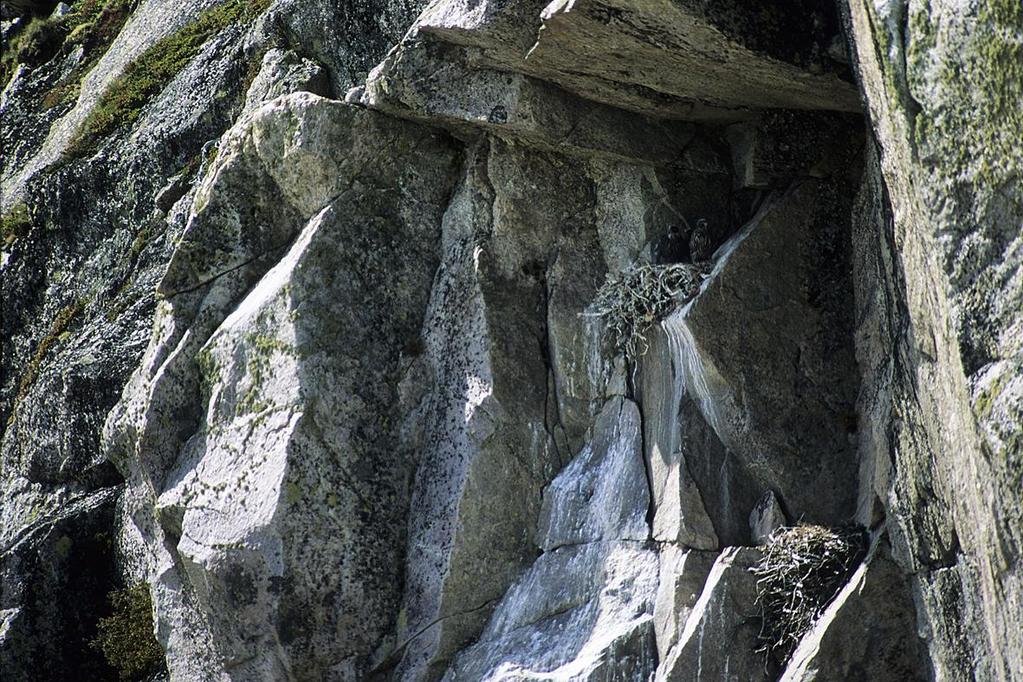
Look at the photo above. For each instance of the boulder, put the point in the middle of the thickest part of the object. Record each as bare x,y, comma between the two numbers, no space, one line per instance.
719,640
867,632
602,494
583,612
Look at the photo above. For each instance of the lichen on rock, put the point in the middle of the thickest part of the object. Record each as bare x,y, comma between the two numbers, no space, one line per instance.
361,339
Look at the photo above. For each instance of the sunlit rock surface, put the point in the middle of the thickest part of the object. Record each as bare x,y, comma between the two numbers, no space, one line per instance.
306,344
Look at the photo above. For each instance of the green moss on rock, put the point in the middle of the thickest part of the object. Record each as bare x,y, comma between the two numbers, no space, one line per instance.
60,324
988,398
91,25
93,22
143,78
33,45
126,637
15,223
262,351
973,133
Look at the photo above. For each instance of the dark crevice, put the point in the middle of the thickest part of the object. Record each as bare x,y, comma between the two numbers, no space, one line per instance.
552,409
381,670
214,278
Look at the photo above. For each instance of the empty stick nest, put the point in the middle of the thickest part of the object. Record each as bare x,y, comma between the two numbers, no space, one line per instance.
802,569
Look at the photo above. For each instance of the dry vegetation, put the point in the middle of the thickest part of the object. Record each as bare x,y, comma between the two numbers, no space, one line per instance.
802,570
643,295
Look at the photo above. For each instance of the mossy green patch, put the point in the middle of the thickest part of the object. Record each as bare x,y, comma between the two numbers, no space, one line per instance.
15,224
33,45
143,78
93,22
267,344
91,25
63,546
146,235
292,492
261,351
208,371
972,132
884,46
985,402
126,637
60,324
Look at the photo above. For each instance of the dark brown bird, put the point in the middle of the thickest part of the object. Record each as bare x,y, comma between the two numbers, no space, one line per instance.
700,246
673,247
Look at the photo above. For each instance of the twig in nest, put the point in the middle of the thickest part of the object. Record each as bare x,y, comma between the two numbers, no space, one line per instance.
802,569
643,295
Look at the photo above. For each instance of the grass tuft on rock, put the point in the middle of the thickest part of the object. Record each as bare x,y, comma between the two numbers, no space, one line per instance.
15,224
145,77
32,46
91,24
126,637
642,295
802,569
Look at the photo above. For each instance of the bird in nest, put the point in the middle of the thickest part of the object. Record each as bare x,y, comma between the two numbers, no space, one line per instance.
678,247
673,247
700,246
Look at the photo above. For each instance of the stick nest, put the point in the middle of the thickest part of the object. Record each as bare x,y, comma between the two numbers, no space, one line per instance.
801,571
643,295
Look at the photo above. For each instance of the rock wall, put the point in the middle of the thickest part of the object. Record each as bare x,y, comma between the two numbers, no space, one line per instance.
307,344
945,237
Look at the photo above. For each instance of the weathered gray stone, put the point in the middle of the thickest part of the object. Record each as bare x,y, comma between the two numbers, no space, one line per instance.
95,247
868,632
753,345
767,516
582,612
726,486
266,496
679,513
283,72
65,550
482,430
584,609
938,293
681,578
779,148
719,640
519,269
602,494
678,60
439,83
289,466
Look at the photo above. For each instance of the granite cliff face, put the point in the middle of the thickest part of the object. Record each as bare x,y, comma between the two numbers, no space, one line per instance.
299,332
